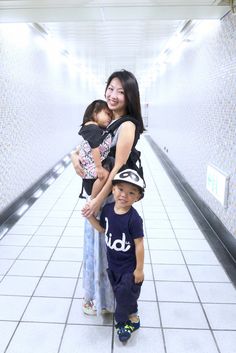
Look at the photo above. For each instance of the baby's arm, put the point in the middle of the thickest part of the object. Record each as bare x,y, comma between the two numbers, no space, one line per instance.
139,252
101,172
95,223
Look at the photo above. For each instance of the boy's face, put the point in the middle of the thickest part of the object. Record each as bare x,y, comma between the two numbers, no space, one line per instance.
125,194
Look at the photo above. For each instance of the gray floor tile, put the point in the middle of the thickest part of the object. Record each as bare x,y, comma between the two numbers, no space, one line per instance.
183,315
216,292
194,244
202,273
12,307
35,212
163,244
148,291
148,275
154,233
156,215
221,316
166,257
7,329
76,339
47,230
68,242
188,234
51,310
59,214
23,229
143,340
189,341
149,314
36,253
56,287
5,266
176,292
36,338
28,268
10,252
55,221
171,272
158,224
68,254
15,239
76,222
63,269
31,220
74,231
41,241
18,285
200,257
79,293
184,224
184,216
226,341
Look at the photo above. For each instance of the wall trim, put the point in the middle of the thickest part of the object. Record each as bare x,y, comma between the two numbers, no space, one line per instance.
219,238
9,215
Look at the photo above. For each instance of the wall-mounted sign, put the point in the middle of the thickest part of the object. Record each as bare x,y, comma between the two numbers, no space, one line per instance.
217,184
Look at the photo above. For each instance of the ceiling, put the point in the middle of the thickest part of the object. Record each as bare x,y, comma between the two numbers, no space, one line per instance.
108,34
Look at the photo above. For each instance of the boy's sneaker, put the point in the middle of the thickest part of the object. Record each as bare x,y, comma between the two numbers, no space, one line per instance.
132,325
89,308
122,332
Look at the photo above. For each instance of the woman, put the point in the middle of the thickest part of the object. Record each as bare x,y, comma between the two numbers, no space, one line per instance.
122,96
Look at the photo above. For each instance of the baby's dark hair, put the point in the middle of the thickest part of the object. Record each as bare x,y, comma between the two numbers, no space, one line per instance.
95,107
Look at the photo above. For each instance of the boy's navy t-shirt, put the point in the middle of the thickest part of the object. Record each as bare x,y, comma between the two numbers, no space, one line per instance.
120,232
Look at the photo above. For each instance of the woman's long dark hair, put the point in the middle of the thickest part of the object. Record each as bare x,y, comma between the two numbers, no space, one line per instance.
93,108
132,97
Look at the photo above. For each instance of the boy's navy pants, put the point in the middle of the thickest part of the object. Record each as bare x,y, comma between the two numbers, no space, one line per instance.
126,294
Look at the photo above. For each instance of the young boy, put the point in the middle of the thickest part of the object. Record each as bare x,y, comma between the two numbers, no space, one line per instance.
123,228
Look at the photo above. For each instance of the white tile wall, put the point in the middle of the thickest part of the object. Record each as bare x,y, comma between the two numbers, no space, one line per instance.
41,110
192,113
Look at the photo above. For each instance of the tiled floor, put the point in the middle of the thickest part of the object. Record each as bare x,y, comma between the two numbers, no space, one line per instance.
187,305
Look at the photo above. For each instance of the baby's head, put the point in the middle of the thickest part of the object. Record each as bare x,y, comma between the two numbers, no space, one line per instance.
98,112
131,182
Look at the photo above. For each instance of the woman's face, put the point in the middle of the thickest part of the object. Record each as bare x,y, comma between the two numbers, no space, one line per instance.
115,97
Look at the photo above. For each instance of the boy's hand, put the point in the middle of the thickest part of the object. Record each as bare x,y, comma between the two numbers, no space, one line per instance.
138,276
91,208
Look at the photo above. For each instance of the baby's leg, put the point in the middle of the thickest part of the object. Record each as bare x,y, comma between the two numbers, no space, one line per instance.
98,184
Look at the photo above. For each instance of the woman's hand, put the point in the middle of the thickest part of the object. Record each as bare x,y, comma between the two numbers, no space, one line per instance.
75,159
101,172
92,207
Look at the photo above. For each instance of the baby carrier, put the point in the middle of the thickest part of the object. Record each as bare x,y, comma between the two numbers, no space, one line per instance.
134,160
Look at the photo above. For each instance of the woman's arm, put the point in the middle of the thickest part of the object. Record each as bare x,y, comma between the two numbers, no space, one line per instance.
123,148
139,252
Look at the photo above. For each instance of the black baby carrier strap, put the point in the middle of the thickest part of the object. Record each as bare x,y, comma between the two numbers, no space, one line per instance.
134,160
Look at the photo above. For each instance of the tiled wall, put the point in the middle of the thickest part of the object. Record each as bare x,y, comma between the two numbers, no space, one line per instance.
192,113
41,109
